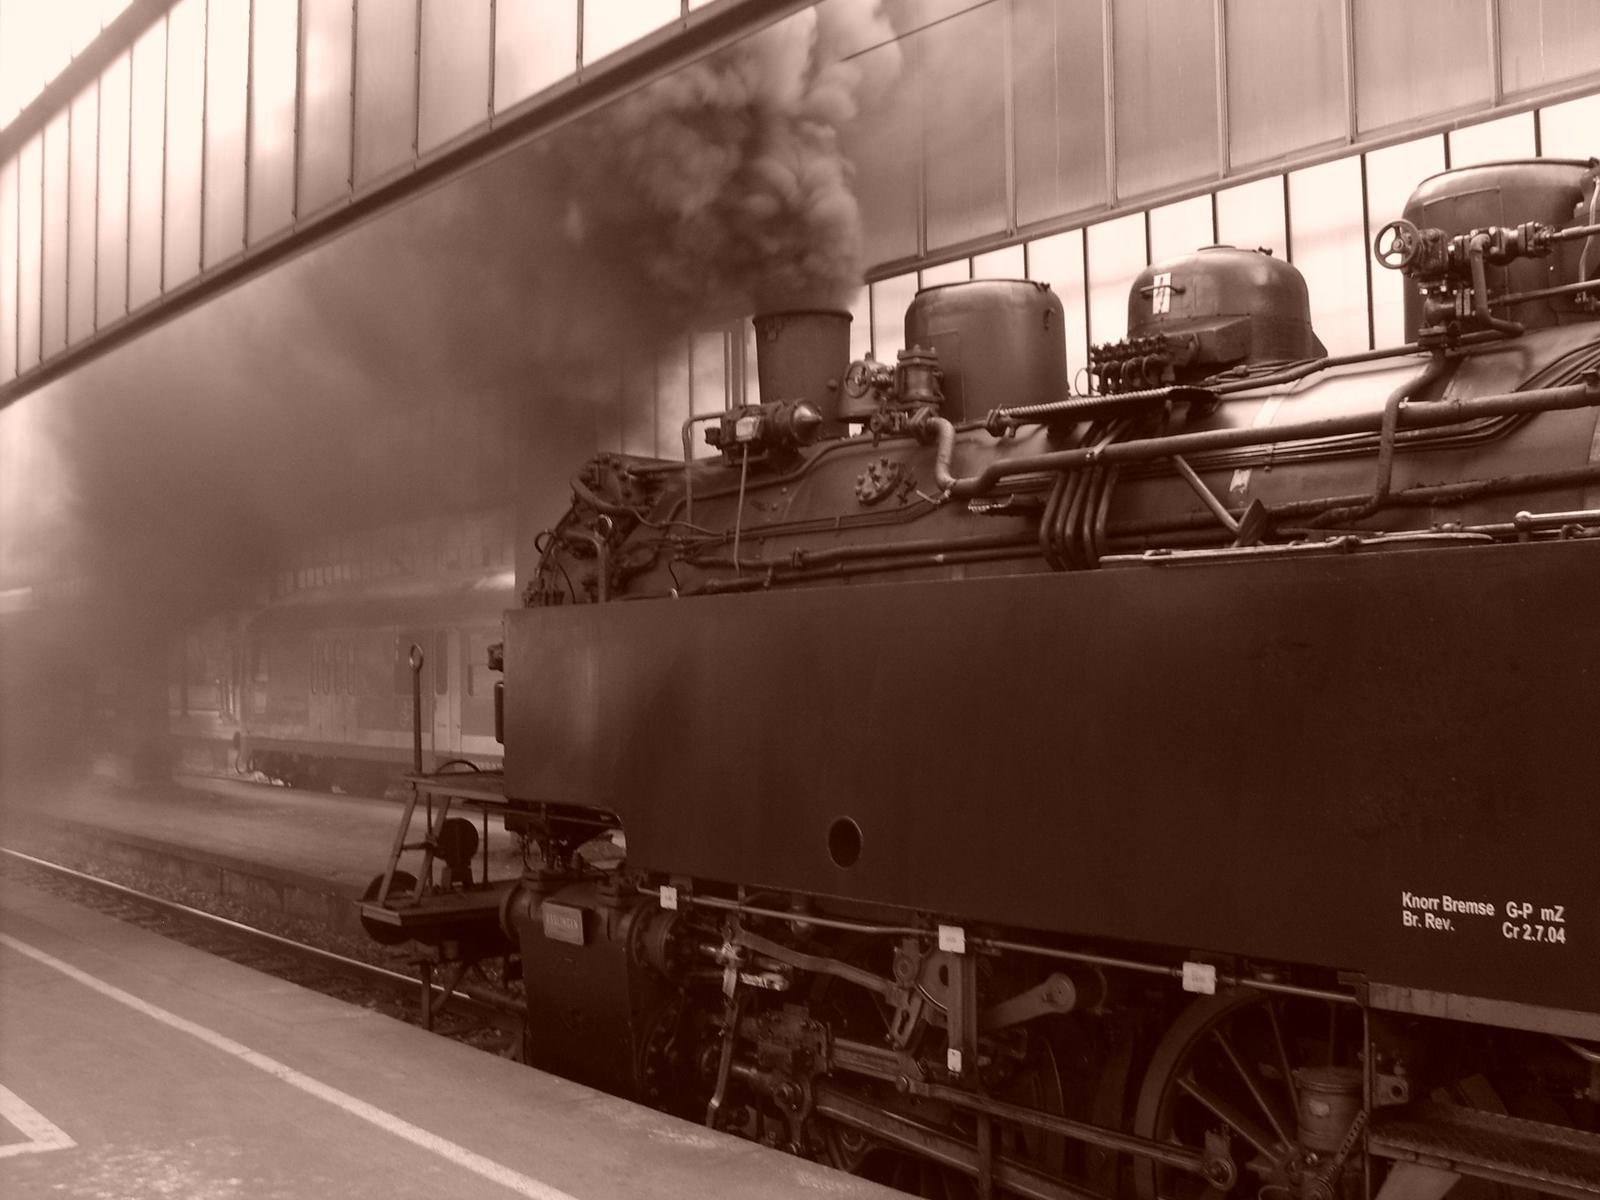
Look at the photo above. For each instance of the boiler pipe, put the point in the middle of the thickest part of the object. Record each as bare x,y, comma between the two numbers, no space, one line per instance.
1217,507
1565,289
590,497
1577,231
1432,414
1391,421
688,462
1419,496
1001,419
1169,533
1476,249
774,573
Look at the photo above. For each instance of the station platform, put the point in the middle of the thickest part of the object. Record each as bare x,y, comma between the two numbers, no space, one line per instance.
135,1066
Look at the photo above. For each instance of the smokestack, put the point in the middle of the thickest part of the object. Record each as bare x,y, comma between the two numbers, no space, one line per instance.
802,354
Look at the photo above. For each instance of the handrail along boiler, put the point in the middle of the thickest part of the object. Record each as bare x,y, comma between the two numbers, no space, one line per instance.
1182,788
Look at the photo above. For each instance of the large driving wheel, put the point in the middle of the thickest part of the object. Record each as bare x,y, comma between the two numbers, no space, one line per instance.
1228,1067
1034,1081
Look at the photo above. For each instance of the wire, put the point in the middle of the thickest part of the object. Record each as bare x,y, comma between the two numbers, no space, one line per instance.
690,525
572,592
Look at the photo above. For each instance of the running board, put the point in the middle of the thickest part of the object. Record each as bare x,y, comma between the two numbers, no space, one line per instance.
1443,1140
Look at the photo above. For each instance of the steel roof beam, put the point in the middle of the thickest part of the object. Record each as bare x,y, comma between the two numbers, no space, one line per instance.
706,29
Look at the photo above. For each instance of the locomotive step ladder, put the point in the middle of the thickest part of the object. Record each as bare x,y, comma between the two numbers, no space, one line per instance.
456,920
399,906
1433,1145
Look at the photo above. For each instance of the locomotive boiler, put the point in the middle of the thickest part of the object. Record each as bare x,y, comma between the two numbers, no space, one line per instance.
1184,788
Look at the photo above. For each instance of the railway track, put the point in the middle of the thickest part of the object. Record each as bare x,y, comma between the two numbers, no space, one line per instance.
463,1018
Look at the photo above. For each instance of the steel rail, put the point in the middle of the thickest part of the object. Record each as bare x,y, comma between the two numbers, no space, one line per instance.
300,949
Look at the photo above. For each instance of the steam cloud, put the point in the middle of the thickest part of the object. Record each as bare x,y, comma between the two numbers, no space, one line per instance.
725,183
216,440
206,454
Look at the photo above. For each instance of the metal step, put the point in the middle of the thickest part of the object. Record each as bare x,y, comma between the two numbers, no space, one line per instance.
441,914
1466,1141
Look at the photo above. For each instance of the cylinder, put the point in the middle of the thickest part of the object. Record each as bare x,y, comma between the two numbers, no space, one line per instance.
1330,1098
801,354
1219,286
1507,193
1000,342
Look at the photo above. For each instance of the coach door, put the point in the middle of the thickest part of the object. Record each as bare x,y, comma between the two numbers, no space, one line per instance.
445,678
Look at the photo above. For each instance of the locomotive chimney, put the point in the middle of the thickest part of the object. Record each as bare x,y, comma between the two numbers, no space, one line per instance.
801,354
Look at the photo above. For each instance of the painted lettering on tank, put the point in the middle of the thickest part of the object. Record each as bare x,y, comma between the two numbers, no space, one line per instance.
1542,924
1420,911
1528,921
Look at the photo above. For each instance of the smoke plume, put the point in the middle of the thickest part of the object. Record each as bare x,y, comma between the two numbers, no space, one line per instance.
180,472
723,187
217,441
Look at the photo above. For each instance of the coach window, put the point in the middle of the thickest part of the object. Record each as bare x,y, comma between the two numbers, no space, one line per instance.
258,673
441,663
479,681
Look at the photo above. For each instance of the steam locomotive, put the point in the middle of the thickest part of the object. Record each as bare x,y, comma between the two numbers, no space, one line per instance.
1183,789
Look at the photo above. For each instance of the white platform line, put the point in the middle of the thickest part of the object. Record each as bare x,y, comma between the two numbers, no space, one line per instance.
41,1134
468,1160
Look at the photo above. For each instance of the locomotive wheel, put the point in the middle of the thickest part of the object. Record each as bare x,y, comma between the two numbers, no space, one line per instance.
403,884
665,1062
1227,1064
1036,1083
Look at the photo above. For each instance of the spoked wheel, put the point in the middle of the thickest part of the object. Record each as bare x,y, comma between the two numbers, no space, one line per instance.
858,1014
1034,1081
665,1061
1036,1084
1228,1066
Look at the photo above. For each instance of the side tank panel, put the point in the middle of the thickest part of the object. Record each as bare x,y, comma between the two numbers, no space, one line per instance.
1315,742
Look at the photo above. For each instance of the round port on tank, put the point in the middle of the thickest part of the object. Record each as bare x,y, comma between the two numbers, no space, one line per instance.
844,842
